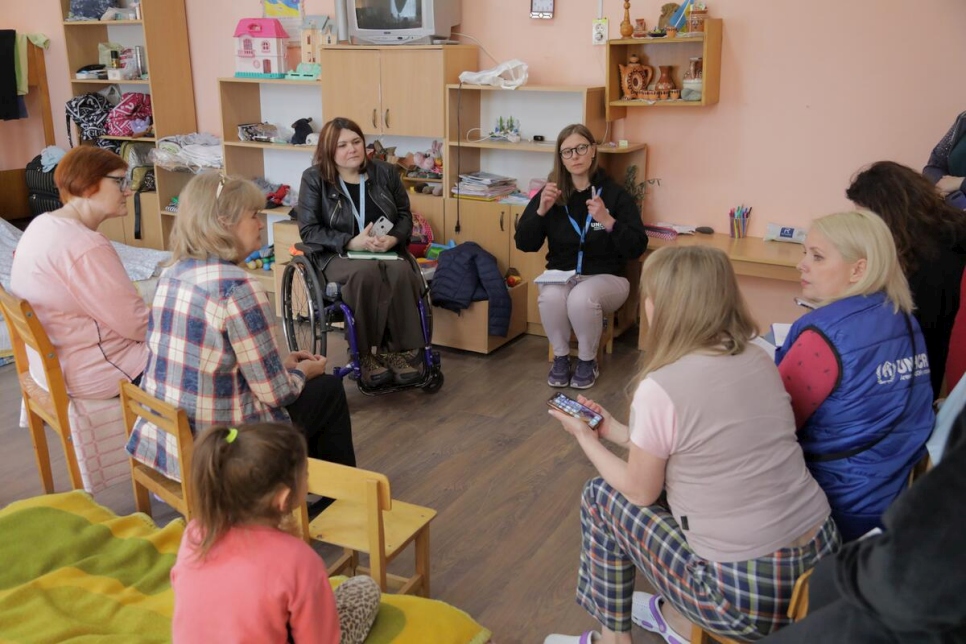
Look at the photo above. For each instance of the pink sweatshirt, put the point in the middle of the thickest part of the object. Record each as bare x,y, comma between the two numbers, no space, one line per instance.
256,585
75,281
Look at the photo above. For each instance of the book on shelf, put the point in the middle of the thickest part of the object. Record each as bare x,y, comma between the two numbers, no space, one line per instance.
487,193
365,254
486,178
554,277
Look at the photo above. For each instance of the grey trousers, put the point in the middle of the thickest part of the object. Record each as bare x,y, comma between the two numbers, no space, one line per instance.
383,297
580,305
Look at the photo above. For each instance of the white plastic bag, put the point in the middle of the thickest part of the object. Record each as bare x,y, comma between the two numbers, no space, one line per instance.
508,75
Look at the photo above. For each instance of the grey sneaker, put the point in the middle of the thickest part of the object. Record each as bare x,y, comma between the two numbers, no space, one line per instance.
403,372
585,374
559,372
374,373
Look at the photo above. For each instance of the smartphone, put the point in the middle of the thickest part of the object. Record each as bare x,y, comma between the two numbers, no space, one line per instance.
381,227
567,405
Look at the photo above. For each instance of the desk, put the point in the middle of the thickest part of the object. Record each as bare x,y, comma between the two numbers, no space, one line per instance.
750,256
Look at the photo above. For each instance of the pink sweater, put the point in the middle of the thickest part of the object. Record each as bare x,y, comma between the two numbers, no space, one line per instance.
256,585
91,311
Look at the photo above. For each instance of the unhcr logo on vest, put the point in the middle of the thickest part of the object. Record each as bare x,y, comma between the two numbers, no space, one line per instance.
903,368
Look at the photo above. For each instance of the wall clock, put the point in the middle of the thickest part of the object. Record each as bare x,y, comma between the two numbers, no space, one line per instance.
541,9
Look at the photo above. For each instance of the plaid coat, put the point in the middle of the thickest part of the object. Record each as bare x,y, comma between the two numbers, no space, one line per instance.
212,352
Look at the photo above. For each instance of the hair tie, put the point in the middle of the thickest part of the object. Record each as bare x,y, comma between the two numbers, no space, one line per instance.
232,435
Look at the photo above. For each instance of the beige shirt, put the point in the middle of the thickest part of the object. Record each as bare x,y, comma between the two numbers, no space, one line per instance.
736,478
75,281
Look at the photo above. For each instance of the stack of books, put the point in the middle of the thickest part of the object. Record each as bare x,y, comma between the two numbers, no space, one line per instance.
484,186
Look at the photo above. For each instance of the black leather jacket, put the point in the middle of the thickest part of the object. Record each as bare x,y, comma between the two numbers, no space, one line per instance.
326,221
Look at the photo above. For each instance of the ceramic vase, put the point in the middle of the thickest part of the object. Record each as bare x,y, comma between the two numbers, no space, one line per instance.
635,78
665,83
627,29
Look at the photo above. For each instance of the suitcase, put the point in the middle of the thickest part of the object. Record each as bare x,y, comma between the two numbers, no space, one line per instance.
42,194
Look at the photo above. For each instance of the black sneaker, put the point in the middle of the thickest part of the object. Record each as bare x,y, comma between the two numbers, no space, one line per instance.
585,374
559,372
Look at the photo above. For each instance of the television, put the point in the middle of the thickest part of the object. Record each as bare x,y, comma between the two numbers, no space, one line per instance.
401,22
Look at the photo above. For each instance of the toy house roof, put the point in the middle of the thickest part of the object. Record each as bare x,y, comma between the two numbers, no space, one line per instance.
260,28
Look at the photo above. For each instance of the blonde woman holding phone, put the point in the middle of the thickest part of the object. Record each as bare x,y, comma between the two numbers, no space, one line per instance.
712,427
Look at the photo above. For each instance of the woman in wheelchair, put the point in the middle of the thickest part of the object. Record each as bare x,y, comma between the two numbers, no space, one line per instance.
211,340
342,195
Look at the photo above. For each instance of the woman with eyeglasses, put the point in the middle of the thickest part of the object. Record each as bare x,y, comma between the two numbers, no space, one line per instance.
591,226
74,279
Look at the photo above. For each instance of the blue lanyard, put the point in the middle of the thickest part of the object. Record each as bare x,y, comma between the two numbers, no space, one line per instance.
359,213
581,233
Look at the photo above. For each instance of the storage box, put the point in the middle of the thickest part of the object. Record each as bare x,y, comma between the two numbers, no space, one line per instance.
467,330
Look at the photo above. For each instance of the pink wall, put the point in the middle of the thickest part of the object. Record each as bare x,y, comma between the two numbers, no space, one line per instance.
810,92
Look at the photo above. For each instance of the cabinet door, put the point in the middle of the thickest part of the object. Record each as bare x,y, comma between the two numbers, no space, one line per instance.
412,93
487,224
350,87
530,265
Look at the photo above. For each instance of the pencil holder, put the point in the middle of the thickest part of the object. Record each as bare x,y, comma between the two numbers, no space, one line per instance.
738,227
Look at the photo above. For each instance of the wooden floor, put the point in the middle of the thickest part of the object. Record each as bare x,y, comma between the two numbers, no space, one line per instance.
503,475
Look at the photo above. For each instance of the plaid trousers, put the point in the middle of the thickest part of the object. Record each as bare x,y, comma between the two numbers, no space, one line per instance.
745,599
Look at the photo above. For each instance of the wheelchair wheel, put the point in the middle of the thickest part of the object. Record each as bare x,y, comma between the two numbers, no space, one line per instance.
302,307
434,383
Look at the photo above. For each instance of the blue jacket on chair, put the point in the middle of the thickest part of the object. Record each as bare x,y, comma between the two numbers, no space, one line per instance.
468,274
883,393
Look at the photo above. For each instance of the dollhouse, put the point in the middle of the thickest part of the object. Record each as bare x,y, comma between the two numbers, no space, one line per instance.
260,48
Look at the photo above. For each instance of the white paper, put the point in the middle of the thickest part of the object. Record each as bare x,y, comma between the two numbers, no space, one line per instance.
554,277
781,332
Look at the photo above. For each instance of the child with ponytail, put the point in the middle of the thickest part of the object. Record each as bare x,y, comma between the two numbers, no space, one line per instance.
242,574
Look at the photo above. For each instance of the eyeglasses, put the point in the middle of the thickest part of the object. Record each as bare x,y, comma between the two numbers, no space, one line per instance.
580,151
123,183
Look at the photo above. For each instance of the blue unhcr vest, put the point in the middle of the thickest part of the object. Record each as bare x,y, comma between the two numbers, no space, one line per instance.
862,441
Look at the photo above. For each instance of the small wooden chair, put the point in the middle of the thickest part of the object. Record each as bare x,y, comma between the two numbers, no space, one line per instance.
797,610
167,418
42,405
365,519
606,340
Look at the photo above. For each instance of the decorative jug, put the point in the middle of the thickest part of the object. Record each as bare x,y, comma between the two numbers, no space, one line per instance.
635,78
665,83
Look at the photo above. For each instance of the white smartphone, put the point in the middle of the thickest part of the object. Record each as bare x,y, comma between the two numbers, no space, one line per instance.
381,227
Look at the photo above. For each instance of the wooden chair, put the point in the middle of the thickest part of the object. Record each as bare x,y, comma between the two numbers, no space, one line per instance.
920,469
606,340
167,418
42,405
365,519
797,609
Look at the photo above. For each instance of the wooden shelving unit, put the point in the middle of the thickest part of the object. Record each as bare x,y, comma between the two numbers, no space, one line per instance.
675,52
163,32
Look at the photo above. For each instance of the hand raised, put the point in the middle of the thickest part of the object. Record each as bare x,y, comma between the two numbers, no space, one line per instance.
548,197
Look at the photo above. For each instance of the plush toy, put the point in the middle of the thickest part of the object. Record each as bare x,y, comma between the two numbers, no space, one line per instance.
302,130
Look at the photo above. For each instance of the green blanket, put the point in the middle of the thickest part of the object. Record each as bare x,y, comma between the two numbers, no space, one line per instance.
73,571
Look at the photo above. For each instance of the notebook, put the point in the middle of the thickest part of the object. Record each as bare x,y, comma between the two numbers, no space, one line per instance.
554,277
365,254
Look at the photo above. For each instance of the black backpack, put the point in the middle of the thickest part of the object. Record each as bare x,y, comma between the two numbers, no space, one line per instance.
89,112
42,194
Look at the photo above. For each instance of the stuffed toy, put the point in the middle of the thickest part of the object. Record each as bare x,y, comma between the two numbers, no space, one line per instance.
302,130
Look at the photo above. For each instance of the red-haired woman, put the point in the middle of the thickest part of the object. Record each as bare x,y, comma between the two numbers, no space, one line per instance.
75,281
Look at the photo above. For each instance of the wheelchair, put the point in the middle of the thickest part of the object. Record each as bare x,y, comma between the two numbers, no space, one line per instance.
310,311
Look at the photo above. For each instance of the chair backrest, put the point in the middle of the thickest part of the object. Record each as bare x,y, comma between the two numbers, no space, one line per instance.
167,418
26,331
798,605
344,483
